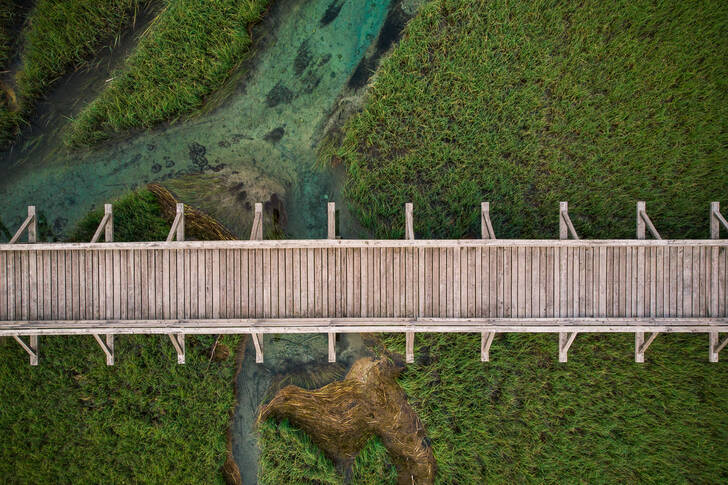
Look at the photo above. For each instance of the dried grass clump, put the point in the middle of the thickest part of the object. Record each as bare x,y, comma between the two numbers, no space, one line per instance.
198,225
342,416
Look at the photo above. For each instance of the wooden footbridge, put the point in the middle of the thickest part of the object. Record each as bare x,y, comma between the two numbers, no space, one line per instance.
487,285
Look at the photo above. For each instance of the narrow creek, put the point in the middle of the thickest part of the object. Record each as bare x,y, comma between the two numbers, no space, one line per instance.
257,143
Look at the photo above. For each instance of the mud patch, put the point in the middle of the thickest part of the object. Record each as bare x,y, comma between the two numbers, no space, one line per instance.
332,11
279,94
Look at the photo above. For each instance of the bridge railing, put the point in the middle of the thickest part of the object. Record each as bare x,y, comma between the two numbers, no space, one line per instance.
489,286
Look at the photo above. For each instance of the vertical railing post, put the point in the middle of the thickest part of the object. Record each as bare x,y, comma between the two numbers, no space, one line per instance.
109,234
714,234
181,224
331,220
33,226
486,232
409,234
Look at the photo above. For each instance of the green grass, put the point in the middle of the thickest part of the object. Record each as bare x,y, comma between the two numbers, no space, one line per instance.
188,53
62,35
528,103
287,455
147,419
137,217
59,36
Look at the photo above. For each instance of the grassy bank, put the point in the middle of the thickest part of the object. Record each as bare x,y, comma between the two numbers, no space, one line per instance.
59,36
9,119
147,419
525,104
528,103
188,53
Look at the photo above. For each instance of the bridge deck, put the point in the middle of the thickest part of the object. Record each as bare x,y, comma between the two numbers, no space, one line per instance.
330,285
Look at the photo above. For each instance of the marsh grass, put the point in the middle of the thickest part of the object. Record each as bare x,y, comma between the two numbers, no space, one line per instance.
137,217
187,53
58,37
72,419
288,455
528,103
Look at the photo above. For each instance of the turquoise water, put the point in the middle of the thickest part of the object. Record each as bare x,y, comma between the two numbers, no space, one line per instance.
259,141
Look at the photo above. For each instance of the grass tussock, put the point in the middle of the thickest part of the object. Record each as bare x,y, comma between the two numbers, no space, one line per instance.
147,419
528,103
189,52
138,216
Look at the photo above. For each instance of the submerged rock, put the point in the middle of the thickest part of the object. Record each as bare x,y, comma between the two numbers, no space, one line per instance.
342,416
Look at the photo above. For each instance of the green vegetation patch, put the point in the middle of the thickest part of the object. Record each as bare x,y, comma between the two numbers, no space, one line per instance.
528,103
287,455
59,36
73,419
62,35
137,217
525,417
189,51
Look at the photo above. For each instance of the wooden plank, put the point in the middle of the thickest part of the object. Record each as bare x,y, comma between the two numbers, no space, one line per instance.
165,304
581,311
161,290
3,286
411,284
259,268
506,282
33,285
124,285
481,282
602,281
470,269
363,264
527,267
439,271
266,282
421,282
377,282
295,272
274,284
396,283
12,290
522,273
310,274
679,276
687,282
332,287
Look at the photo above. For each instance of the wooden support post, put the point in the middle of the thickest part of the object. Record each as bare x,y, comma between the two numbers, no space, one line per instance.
332,347
410,347
716,220
258,343
331,220
486,232
486,228
178,226
486,339
178,340
643,222
107,347
256,233
409,234
640,345
106,226
31,348
409,226
565,225
565,341
109,236
715,346
31,224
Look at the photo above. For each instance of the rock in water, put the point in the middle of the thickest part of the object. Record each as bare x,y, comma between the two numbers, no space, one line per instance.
342,416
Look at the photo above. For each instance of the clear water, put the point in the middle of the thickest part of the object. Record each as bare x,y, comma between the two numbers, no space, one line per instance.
266,128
